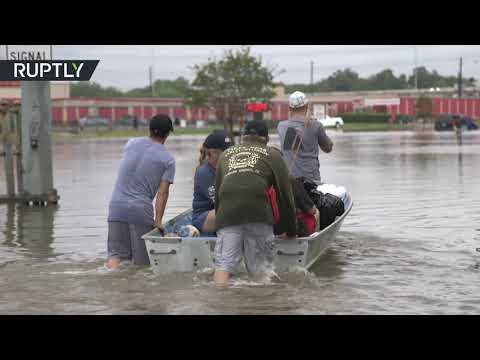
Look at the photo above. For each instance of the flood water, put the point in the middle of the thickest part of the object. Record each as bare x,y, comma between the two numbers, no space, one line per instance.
407,247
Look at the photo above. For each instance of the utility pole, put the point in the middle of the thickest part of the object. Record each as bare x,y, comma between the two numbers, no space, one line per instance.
460,80
416,68
311,76
37,143
152,84
150,76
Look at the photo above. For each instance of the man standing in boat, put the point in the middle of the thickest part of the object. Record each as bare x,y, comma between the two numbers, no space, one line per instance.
243,213
146,169
300,140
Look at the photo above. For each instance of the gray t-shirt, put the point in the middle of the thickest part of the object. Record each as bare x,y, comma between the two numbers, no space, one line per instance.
306,163
144,165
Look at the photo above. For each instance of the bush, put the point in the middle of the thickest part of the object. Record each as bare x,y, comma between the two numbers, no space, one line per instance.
361,117
405,119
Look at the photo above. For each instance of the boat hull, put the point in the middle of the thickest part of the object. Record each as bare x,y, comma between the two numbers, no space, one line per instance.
188,254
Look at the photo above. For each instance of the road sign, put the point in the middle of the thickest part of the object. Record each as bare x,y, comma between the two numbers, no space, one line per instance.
27,52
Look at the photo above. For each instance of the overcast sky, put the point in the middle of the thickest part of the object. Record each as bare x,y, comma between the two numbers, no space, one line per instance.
126,67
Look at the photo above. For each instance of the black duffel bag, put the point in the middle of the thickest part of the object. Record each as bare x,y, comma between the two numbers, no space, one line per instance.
329,206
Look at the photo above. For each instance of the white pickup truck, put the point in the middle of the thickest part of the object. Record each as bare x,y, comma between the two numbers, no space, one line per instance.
328,121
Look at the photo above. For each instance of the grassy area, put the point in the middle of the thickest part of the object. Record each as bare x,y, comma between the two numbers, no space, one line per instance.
375,127
129,133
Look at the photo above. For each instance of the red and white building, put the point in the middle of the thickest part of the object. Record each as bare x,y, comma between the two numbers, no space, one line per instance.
67,110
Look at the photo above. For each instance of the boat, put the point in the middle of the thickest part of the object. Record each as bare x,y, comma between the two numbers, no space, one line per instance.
173,253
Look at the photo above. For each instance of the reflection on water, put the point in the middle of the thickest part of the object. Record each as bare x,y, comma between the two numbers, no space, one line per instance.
408,246
460,167
30,229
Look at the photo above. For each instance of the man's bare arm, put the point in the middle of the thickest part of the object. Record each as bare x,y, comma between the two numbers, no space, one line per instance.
161,203
324,141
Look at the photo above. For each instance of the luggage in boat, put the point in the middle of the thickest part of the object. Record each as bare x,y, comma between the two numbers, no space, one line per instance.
330,206
338,191
305,222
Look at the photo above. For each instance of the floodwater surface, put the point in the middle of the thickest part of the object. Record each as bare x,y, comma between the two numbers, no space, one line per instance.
407,247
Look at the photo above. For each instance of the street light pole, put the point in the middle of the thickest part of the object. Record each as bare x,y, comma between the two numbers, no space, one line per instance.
311,77
150,78
416,68
460,80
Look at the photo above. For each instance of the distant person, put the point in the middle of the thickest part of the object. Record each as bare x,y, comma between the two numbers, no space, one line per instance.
243,213
203,217
135,122
147,169
300,139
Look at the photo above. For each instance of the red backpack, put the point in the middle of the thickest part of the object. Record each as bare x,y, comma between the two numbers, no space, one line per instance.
308,219
272,197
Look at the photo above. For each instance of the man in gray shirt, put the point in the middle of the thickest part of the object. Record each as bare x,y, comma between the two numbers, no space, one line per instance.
146,169
301,138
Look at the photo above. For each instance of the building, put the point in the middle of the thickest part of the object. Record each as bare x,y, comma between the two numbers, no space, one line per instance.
67,110
11,90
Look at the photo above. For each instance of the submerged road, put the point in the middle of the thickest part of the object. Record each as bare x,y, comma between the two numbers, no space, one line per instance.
408,246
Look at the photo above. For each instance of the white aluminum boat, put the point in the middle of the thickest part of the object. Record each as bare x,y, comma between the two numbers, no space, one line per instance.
187,254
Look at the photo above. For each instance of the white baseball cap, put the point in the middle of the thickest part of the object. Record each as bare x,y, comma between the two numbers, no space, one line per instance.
297,100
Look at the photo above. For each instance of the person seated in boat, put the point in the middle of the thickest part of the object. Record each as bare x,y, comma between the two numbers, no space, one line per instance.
301,137
243,213
203,215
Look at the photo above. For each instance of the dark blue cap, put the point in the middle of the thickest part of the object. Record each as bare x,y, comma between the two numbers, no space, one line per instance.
161,125
256,127
218,139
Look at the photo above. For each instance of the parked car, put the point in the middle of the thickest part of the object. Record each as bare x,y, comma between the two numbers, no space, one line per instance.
94,121
128,121
446,122
328,121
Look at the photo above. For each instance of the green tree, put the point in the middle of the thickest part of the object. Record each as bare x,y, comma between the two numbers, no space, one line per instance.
93,89
427,79
227,84
386,80
343,80
177,88
424,107
349,80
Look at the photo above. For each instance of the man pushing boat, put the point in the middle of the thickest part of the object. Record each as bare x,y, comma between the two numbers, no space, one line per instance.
147,169
244,218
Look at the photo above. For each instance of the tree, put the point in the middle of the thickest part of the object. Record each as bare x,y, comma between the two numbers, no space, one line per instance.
93,89
424,107
228,83
177,88
343,80
427,79
386,80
